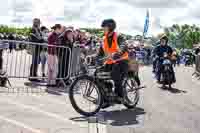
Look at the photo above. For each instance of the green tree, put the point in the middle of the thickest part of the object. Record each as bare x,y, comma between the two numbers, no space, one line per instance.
183,36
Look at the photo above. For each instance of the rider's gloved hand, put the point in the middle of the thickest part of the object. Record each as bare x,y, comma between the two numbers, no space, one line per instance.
116,56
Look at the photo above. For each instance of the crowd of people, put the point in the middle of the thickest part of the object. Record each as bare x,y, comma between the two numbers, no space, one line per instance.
58,56
50,48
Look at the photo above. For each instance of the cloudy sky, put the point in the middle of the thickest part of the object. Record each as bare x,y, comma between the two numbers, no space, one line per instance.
129,14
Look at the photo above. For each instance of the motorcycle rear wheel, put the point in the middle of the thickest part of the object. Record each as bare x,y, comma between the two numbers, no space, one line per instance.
167,80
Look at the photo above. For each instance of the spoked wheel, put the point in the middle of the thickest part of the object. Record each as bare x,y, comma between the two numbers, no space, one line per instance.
131,93
85,96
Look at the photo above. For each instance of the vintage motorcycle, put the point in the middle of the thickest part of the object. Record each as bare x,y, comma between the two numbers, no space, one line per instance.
91,91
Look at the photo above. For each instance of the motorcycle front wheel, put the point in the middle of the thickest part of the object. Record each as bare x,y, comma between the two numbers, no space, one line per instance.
131,93
85,96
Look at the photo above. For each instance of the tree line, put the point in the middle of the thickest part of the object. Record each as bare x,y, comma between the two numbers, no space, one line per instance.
183,36
180,36
19,31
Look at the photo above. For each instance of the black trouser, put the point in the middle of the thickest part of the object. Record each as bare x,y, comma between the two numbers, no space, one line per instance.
118,72
63,62
136,77
35,61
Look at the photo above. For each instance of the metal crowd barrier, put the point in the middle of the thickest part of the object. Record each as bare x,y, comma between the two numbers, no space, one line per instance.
75,61
32,61
197,65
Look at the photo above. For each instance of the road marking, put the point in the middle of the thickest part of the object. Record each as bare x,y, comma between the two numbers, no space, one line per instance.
55,116
22,125
195,80
96,126
52,99
102,128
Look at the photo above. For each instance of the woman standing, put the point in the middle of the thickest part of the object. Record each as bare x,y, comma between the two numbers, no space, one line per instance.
52,54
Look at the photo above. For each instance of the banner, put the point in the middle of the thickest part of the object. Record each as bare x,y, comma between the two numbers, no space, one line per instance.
146,25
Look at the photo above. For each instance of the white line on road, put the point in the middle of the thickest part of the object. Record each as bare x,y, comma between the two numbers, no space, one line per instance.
195,80
22,125
101,127
51,99
55,116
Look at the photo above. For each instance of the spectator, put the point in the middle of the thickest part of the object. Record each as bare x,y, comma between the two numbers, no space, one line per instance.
148,58
36,36
11,44
3,36
44,32
67,40
52,54
43,54
197,51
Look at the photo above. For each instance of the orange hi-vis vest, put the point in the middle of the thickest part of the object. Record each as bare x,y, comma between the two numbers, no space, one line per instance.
113,49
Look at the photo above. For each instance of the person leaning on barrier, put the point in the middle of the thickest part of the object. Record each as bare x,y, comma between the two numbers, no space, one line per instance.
43,53
1,52
11,44
66,39
35,36
53,54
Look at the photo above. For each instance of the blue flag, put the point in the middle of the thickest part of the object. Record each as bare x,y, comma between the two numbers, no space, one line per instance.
146,25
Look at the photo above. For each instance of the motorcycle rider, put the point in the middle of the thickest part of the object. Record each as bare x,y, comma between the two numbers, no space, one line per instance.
118,61
159,52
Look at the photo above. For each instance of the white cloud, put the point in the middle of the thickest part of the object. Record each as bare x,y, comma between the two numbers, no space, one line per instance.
157,3
129,14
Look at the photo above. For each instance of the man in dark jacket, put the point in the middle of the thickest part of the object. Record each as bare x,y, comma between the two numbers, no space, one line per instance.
36,36
159,52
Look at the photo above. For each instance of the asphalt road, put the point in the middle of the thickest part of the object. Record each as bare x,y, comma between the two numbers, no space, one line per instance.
26,110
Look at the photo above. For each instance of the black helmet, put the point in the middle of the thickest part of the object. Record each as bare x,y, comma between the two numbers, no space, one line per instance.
110,23
164,37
